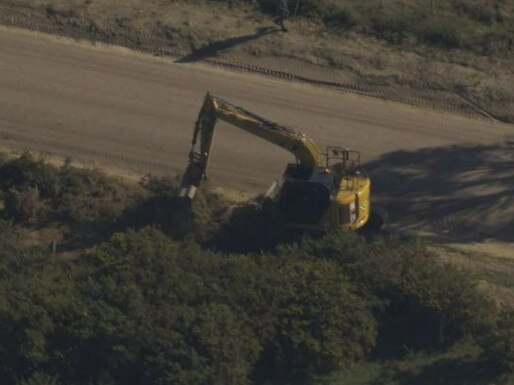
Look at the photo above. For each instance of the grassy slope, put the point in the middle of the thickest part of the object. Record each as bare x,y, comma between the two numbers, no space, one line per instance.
65,215
495,272
458,365
465,48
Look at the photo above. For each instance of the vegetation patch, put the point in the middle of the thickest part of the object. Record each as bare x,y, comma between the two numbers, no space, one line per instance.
37,192
160,306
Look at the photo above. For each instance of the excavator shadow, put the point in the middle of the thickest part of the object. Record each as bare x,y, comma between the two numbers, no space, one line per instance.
216,47
458,193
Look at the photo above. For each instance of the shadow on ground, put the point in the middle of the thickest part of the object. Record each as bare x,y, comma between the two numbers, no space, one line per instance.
460,193
214,48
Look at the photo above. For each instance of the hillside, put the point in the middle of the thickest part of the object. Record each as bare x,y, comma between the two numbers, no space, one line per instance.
110,280
455,55
102,283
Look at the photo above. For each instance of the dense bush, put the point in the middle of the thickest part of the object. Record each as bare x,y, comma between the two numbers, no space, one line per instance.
255,226
154,321
425,303
498,342
143,308
322,323
35,299
35,191
24,205
447,32
27,172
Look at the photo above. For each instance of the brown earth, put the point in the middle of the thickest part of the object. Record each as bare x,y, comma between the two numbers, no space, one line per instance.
435,173
193,31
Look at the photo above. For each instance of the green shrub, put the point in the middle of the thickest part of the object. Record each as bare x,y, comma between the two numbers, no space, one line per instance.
159,206
38,379
35,191
141,308
395,26
446,32
230,344
35,300
152,320
498,341
427,294
315,320
25,205
159,185
322,323
26,172
87,197
498,40
8,238
346,18
477,10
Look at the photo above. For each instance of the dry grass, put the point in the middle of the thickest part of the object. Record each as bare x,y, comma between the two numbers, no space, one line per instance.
491,262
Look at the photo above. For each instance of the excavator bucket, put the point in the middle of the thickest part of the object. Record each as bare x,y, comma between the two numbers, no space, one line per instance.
196,171
193,177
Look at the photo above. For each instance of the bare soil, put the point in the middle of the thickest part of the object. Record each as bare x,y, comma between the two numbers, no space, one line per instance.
192,31
435,173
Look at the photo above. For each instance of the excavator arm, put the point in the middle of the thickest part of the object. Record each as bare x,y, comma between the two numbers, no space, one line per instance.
214,108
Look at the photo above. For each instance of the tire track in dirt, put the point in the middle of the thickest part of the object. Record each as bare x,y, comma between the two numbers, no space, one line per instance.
33,19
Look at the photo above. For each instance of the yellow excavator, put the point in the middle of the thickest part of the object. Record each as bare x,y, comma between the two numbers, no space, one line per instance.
320,192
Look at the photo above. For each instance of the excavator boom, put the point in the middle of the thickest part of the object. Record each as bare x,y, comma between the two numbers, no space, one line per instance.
214,108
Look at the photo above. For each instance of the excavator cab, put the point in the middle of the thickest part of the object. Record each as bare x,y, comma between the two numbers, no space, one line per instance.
305,195
335,195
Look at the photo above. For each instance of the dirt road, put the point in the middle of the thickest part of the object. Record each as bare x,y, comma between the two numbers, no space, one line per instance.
109,105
